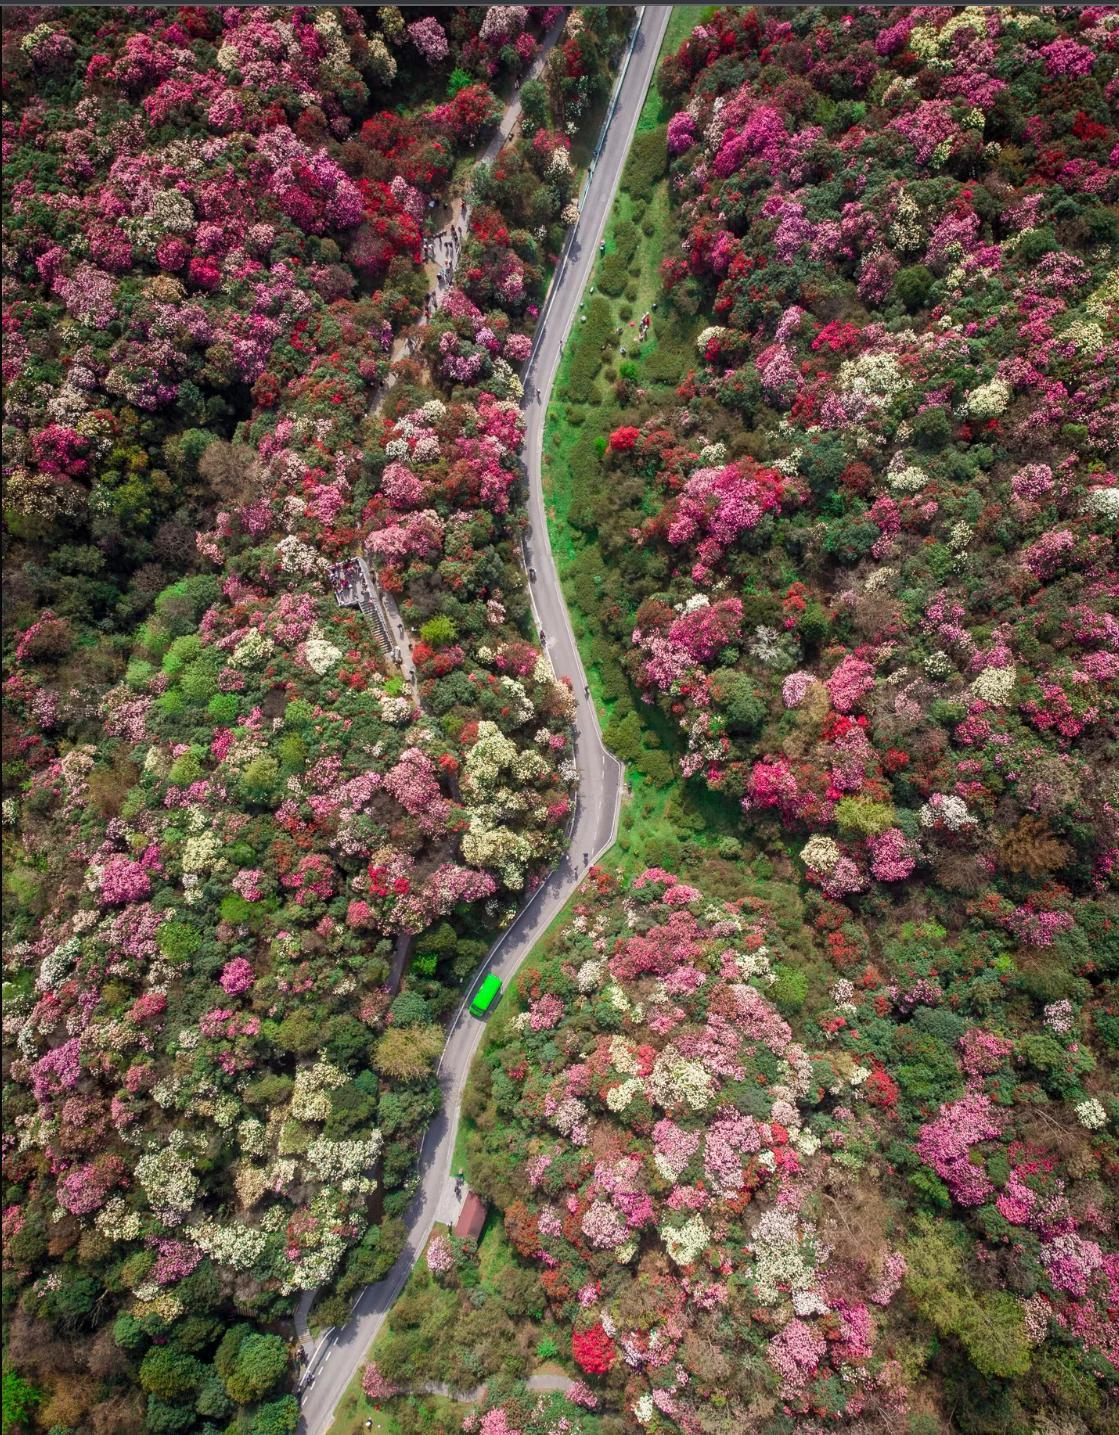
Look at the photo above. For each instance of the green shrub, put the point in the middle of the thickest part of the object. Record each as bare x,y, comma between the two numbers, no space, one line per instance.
459,79
789,990
860,817
589,340
138,672
439,632
625,238
1035,244
224,707
932,429
613,272
185,769
647,163
912,287
178,941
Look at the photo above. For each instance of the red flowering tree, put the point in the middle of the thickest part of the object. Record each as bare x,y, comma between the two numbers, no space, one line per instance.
623,439
593,1349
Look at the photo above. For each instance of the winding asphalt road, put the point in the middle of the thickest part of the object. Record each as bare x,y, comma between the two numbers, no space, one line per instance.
600,775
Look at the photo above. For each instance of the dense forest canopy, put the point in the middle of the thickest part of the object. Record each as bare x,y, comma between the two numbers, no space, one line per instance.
248,863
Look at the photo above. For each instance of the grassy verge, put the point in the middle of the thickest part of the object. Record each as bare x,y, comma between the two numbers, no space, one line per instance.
664,820
432,1319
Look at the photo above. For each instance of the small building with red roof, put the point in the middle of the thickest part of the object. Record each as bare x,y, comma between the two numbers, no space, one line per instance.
471,1218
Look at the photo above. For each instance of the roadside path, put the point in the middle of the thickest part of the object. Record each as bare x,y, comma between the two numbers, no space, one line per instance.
340,1352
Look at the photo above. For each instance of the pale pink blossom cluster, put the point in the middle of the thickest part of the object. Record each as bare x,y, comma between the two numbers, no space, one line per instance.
945,1144
440,1255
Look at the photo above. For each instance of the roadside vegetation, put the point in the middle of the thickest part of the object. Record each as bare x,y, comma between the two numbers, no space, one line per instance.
245,869
843,587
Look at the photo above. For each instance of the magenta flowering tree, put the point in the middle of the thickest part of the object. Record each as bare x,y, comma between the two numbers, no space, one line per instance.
681,133
123,880
946,1145
237,976
430,39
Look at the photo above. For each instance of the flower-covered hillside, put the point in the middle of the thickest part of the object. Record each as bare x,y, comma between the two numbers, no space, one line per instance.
879,588
246,870
681,1154
745,1231
861,556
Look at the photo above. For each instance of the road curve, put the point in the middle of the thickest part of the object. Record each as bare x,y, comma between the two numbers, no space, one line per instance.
600,774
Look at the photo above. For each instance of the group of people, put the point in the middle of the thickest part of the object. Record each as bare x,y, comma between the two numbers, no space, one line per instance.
443,250
346,579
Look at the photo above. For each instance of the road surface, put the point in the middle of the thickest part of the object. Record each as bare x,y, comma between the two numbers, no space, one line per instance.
601,776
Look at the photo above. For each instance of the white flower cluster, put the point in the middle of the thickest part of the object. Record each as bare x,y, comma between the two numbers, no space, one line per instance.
320,653
117,1222
933,43
57,964
310,1100
771,648
875,378
169,1182
173,211
297,557
1085,336
677,1081
1103,503
570,1120
231,1243
959,536
879,580
396,710
781,1263
820,853
589,975
618,999
559,163
949,810
623,1058
250,1182
1091,1114
250,1136
988,400
905,477
315,1266
34,38
519,700
994,686
713,331
939,665
225,1111
253,650
341,1163
619,1097
200,852
687,1242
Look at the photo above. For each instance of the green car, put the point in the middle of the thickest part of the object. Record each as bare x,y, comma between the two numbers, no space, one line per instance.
488,994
